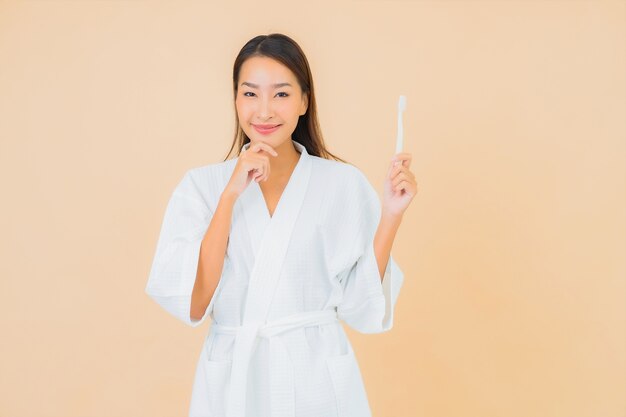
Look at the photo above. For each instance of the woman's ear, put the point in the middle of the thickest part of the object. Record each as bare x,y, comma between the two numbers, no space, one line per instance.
305,104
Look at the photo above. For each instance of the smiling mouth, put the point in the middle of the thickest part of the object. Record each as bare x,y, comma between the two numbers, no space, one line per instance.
266,130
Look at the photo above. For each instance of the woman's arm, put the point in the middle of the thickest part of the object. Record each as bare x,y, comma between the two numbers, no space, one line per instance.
399,178
383,241
212,254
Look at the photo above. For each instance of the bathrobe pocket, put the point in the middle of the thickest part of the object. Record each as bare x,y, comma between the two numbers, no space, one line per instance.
218,379
210,388
350,395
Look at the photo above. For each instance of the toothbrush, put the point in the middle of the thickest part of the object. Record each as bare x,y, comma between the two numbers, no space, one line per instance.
401,108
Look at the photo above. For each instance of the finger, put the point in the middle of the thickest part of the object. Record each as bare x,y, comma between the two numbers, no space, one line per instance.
261,167
403,185
399,178
397,169
411,189
392,165
393,171
406,159
254,147
260,172
396,180
262,146
408,171
402,158
395,188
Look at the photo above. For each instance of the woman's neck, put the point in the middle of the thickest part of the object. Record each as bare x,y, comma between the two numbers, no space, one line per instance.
287,159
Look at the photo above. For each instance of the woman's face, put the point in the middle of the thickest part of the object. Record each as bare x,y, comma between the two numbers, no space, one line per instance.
263,98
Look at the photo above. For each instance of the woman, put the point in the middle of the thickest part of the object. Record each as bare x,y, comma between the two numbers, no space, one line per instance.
278,245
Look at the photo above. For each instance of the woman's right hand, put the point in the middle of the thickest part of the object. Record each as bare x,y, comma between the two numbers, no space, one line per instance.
253,163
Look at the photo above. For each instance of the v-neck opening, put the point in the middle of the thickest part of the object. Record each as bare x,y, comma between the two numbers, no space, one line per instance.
253,207
269,216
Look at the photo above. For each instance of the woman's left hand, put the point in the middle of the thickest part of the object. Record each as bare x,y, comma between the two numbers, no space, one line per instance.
400,186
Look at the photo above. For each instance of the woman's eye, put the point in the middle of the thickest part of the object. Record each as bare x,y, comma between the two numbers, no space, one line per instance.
249,92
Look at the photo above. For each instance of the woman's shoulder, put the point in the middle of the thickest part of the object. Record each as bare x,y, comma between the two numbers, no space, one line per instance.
212,171
346,179
338,170
206,181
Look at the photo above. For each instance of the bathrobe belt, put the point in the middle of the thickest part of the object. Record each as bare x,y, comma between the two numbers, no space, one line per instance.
281,384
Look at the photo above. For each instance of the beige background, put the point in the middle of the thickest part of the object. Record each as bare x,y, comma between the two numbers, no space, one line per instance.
514,250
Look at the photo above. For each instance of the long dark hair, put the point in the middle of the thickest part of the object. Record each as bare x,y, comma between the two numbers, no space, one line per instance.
286,51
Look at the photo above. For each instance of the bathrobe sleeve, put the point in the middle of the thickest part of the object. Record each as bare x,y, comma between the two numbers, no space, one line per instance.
367,305
175,263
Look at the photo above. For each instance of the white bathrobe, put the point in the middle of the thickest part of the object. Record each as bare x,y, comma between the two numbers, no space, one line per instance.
275,346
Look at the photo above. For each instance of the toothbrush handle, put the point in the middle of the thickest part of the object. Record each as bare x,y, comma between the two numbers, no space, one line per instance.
399,143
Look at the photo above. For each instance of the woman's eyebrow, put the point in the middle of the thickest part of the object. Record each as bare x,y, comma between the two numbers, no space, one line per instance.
277,85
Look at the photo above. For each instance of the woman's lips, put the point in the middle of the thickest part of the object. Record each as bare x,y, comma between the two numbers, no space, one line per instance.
266,130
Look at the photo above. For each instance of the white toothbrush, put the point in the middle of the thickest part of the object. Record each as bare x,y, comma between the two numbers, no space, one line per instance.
401,108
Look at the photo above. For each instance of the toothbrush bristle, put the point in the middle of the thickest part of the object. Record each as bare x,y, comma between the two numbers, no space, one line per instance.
402,103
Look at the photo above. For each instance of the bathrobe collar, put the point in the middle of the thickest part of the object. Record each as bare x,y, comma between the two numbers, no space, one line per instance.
258,219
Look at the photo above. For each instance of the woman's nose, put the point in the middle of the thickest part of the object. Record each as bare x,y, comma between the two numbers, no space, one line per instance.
265,108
